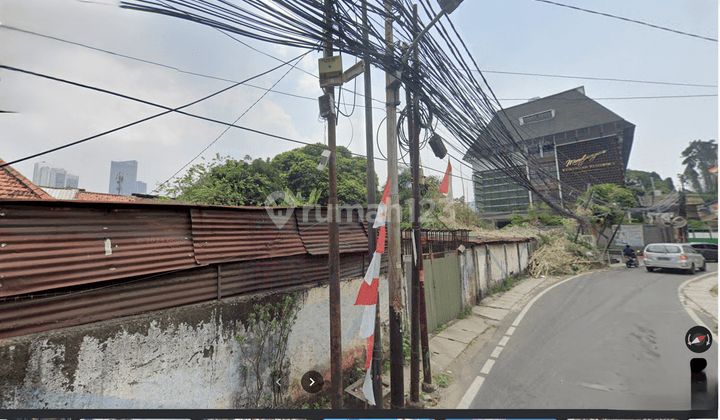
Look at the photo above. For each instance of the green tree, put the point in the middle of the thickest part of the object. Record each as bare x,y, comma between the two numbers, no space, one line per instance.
248,182
298,171
609,205
700,156
641,183
226,181
431,208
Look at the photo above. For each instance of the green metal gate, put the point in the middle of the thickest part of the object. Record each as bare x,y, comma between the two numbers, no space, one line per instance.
443,295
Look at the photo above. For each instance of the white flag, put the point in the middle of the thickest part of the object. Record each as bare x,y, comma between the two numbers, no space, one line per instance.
381,215
373,271
367,327
368,388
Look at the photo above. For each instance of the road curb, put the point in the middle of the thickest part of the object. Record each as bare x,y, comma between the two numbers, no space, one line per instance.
690,304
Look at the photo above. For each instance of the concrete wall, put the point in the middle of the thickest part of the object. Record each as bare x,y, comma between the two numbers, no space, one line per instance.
180,358
484,266
498,264
512,259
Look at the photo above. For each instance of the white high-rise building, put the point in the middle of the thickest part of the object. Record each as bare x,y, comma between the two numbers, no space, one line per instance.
72,181
46,176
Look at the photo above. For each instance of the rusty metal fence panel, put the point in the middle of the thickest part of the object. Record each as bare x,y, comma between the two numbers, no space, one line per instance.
225,235
51,246
52,311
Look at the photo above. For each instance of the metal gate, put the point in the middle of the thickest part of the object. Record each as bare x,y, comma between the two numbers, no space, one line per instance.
443,294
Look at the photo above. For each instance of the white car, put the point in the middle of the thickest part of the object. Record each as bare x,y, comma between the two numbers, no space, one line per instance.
678,256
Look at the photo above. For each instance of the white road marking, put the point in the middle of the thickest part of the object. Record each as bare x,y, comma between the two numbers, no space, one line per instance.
510,331
496,352
470,394
488,365
530,304
503,341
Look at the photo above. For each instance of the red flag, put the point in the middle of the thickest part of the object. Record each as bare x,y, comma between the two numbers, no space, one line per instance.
368,293
446,181
380,248
368,359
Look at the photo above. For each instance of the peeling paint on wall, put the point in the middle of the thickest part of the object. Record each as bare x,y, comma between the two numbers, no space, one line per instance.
181,358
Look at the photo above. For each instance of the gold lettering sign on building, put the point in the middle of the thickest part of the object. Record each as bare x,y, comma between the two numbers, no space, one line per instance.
584,159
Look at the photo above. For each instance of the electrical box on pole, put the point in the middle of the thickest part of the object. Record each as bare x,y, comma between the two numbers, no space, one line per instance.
331,71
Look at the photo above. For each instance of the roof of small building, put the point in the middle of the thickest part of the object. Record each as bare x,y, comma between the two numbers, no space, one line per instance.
61,193
14,185
572,110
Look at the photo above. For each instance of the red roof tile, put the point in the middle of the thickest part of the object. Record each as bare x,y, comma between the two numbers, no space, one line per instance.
14,185
93,196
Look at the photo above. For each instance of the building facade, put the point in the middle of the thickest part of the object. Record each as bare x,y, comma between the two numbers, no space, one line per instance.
140,187
123,177
562,144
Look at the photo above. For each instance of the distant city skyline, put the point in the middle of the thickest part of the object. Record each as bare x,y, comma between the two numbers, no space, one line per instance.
46,176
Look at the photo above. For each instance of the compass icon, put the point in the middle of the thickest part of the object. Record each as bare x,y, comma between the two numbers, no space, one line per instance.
698,339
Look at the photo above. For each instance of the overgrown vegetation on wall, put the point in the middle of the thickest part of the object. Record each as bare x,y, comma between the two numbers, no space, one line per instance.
263,348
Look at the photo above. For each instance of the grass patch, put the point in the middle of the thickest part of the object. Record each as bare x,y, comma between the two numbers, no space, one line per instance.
443,380
465,312
714,291
504,285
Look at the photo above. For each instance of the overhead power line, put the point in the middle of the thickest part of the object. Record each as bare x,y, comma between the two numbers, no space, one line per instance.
602,79
639,22
177,69
168,109
235,122
624,97
177,110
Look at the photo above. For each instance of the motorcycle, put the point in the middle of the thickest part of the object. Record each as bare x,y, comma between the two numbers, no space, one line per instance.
631,262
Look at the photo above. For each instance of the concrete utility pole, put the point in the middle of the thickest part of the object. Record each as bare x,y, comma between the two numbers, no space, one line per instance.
333,240
392,100
414,135
371,200
682,210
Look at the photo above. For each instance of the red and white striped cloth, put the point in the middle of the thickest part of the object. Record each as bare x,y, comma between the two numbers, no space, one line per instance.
367,296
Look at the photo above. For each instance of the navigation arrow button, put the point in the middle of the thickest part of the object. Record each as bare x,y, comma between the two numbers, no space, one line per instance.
312,382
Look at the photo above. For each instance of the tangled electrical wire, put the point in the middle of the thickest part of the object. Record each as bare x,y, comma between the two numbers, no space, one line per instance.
443,77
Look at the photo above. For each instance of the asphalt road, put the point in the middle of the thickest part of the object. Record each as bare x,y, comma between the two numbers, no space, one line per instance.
609,340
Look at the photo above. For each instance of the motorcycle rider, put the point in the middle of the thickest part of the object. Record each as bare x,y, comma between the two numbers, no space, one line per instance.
629,252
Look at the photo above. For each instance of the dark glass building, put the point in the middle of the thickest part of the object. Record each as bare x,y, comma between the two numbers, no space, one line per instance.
562,143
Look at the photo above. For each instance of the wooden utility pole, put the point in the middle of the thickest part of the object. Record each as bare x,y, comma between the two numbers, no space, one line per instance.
371,201
392,100
333,239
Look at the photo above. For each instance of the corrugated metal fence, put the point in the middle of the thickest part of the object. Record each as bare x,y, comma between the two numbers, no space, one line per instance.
71,263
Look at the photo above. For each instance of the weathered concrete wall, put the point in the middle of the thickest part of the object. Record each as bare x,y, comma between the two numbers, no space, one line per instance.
481,271
524,254
512,259
487,265
498,264
469,286
180,358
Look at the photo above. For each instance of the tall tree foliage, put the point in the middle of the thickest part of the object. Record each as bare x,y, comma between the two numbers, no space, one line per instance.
609,205
641,183
248,182
700,156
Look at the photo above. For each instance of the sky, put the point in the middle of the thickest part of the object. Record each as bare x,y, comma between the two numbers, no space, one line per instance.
505,36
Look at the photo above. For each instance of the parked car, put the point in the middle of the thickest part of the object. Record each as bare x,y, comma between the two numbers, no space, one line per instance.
678,256
709,251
